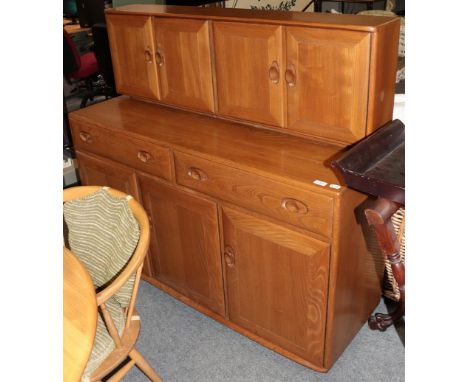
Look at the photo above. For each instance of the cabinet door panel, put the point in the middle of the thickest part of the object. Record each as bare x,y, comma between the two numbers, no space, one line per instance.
277,281
185,242
131,44
248,71
327,82
102,172
184,62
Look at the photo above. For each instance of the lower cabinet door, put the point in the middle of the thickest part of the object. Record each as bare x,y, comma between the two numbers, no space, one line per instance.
277,282
184,245
103,172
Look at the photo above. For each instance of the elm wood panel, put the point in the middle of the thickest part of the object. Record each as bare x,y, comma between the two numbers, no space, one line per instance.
185,242
132,51
282,157
356,274
384,60
249,63
231,325
135,152
184,62
277,282
314,19
327,75
95,171
292,205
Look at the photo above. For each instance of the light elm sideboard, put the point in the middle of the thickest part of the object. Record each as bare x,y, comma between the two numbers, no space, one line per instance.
225,134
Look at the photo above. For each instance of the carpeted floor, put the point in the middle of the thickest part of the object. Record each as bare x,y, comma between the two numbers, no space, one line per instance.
185,346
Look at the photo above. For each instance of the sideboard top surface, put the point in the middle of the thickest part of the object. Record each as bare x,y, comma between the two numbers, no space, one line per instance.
312,19
291,159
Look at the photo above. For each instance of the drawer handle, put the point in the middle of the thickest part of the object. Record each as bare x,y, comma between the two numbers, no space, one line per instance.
197,174
229,256
293,205
85,137
148,56
274,72
290,75
144,156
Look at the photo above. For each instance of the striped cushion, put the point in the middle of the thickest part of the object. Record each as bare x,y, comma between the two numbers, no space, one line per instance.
103,342
103,233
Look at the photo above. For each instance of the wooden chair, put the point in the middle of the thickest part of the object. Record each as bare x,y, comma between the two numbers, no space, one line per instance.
125,342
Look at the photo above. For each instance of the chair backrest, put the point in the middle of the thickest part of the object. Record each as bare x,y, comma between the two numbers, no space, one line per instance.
133,266
71,56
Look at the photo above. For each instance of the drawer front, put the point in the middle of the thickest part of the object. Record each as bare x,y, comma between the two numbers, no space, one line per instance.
301,208
141,155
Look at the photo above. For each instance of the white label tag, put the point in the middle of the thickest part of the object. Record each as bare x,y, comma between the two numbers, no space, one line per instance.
320,183
335,186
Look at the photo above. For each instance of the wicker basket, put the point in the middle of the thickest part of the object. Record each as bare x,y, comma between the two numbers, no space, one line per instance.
390,287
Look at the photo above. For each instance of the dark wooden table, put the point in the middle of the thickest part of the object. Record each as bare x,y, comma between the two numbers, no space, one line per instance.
376,166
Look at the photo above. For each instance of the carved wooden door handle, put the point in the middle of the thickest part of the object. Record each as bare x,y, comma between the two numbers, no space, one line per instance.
274,72
197,174
148,56
290,75
229,256
144,156
159,58
294,205
85,137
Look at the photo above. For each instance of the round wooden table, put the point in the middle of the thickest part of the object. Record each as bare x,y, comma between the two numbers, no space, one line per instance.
79,317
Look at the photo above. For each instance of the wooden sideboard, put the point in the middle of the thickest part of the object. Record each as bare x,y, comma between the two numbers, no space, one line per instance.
250,225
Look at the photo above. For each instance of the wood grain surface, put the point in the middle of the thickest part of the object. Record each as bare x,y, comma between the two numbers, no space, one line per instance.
133,57
249,62
277,283
79,317
292,205
185,248
137,153
277,156
321,20
330,74
184,64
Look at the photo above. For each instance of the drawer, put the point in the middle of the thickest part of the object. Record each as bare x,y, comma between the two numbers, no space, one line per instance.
301,208
134,152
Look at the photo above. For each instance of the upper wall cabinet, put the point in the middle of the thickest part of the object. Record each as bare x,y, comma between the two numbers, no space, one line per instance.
248,69
131,43
184,62
327,75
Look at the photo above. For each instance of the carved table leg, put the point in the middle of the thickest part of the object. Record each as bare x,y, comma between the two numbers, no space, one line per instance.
379,216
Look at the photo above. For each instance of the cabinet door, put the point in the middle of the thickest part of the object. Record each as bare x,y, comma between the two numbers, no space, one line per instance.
102,172
131,44
327,75
184,62
248,71
185,242
277,282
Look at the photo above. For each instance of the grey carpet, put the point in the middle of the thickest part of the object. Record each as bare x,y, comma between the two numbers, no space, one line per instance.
184,345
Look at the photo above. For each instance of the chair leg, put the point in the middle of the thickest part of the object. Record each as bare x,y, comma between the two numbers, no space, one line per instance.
144,366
